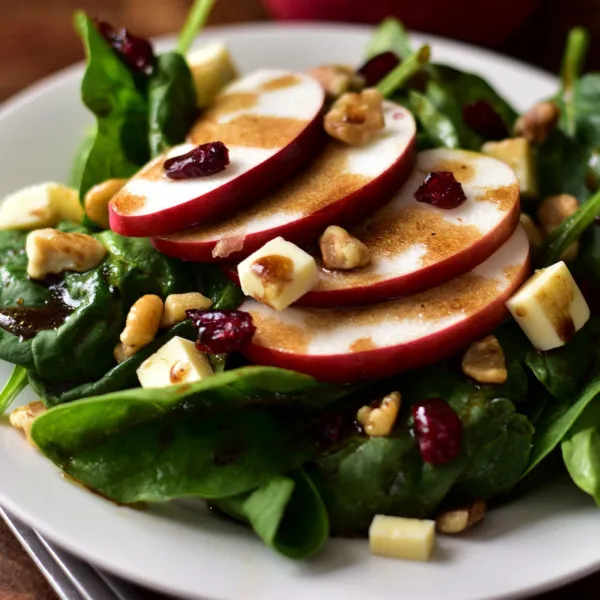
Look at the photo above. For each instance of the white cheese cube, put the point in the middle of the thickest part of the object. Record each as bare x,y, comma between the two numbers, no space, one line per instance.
278,274
212,69
178,361
550,307
397,537
517,153
39,206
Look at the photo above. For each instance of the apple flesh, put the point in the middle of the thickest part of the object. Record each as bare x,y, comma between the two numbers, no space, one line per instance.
415,246
270,121
352,344
343,185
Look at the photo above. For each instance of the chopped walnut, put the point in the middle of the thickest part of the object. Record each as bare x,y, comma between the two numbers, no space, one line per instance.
177,304
378,422
355,118
340,250
534,234
484,361
24,416
228,245
141,326
538,122
338,79
461,519
553,211
51,251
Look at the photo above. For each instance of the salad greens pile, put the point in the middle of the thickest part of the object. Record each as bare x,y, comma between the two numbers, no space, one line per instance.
275,449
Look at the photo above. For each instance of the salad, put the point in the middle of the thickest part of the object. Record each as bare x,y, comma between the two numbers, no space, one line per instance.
357,300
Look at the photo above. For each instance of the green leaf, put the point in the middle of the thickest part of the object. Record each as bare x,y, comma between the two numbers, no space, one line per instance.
287,513
581,451
407,69
195,21
438,127
557,419
171,102
215,438
109,90
390,36
569,231
16,383
81,157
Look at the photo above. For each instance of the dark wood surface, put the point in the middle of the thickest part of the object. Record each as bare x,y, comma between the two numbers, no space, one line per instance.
36,39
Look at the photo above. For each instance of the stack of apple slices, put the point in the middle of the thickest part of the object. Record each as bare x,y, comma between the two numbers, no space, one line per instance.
437,279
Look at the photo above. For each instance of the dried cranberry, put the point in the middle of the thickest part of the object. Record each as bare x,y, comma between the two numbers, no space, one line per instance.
221,331
136,52
482,117
441,189
206,159
376,68
438,430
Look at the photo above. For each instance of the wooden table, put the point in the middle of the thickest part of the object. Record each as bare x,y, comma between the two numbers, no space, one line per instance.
36,39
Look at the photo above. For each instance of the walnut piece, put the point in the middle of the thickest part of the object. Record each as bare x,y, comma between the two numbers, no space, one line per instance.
379,422
141,326
51,251
338,79
538,123
461,519
177,304
552,212
97,199
340,250
484,361
24,416
355,118
534,234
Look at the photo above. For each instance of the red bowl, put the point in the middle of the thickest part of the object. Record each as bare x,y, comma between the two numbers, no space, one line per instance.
488,23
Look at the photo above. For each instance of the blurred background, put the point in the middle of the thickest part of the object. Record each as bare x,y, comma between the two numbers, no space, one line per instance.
36,36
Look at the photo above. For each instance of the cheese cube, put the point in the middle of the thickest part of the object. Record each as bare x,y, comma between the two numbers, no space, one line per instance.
278,274
397,537
178,361
39,206
212,69
550,307
517,153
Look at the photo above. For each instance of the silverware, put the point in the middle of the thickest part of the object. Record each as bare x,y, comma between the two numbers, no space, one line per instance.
71,578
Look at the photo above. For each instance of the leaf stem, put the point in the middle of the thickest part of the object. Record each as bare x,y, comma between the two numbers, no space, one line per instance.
574,57
569,231
404,71
195,21
13,387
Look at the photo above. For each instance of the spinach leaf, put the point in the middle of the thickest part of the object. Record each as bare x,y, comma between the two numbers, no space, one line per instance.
581,451
109,90
364,476
171,102
16,383
390,36
215,438
439,128
287,513
562,371
568,231
121,377
81,157
558,418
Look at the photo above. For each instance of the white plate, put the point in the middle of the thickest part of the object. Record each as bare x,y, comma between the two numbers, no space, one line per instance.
538,542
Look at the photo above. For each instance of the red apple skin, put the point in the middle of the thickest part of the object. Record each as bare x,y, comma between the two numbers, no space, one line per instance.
463,19
384,362
228,198
349,210
420,280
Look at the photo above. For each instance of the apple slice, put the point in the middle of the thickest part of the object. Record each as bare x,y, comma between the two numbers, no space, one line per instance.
343,185
378,340
271,122
415,246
